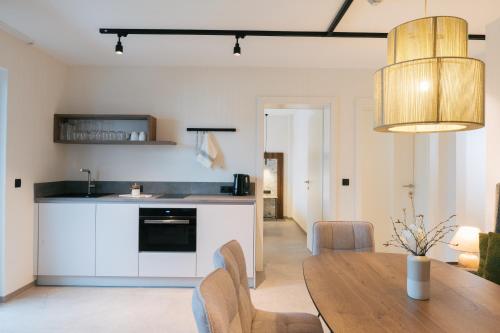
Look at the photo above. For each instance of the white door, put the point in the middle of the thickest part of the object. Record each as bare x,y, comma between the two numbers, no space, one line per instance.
307,175
66,239
299,167
219,224
117,240
383,167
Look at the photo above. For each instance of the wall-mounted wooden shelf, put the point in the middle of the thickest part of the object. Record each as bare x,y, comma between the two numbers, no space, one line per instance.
95,129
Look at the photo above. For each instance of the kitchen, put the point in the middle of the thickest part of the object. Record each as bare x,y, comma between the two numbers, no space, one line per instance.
96,238
162,230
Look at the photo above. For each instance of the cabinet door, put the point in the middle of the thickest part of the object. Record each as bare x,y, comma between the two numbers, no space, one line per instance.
117,240
218,224
66,239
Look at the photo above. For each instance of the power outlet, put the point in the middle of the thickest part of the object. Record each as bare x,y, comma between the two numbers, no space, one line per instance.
345,181
17,182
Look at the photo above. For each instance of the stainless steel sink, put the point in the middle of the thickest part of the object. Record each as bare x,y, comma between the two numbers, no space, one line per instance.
78,195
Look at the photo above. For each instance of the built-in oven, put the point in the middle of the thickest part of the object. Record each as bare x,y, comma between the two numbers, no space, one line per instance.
167,229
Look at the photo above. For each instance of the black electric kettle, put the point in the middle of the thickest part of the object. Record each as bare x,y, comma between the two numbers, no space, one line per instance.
241,184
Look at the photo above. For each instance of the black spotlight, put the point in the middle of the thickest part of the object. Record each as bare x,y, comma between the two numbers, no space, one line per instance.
119,46
237,48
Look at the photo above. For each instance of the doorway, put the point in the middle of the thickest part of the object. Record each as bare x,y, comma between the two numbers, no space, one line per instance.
300,132
3,144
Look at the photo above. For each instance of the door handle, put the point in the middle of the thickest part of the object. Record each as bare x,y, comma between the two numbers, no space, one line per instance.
166,221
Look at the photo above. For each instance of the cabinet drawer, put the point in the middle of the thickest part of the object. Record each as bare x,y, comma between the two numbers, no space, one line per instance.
167,264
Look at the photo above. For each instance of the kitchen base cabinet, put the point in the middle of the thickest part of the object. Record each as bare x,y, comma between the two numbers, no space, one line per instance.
66,239
117,245
217,225
98,244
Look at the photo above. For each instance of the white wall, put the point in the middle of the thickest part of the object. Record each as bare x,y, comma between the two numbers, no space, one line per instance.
492,129
184,97
35,85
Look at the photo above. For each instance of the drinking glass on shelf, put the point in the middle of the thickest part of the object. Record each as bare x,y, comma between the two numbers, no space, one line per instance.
69,131
63,127
107,135
92,135
121,136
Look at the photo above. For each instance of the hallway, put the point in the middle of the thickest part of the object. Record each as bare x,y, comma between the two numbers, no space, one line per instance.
283,288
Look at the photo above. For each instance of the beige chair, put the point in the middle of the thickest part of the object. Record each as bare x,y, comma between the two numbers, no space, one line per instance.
215,305
342,236
238,314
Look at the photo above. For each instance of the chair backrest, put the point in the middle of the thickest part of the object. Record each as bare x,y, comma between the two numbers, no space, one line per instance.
231,258
343,236
215,305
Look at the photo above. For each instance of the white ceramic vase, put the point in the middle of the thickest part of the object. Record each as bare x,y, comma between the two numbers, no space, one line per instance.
418,277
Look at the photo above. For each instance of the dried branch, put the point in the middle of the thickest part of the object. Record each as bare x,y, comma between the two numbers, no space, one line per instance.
424,239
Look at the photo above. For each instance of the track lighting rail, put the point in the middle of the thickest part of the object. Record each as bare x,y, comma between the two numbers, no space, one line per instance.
240,34
261,33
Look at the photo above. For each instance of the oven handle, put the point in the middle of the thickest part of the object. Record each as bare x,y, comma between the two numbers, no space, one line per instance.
166,221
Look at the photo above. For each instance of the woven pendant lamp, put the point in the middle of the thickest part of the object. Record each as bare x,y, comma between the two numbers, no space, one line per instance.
430,85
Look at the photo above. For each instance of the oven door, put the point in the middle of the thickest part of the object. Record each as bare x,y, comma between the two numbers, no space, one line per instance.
167,233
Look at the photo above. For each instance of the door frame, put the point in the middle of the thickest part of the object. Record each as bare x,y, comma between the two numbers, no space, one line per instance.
279,201
329,105
3,167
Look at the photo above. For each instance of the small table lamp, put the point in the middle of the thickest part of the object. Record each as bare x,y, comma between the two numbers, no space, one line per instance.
466,240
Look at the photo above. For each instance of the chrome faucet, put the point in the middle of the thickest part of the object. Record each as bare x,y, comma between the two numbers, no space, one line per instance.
90,182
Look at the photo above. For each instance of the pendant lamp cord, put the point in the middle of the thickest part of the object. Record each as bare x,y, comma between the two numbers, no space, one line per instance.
425,8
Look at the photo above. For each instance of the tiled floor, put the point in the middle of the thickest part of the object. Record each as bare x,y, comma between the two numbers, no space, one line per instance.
95,310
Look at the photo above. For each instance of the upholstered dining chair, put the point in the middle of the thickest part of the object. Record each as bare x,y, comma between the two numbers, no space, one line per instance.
215,305
342,236
224,305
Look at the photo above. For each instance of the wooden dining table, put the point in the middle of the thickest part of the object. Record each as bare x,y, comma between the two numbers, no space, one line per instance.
366,292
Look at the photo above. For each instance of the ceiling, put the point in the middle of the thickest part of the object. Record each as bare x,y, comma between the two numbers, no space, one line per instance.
68,29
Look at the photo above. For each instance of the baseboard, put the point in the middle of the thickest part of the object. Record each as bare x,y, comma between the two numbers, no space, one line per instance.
13,294
132,282
298,224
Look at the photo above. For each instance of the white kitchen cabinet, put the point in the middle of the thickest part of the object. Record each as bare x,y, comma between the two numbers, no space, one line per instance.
167,264
66,243
218,224
117,239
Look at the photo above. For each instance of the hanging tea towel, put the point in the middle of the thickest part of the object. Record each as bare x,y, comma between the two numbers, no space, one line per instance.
208,150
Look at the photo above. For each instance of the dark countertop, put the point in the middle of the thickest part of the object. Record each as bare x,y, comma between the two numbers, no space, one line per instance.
190,199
